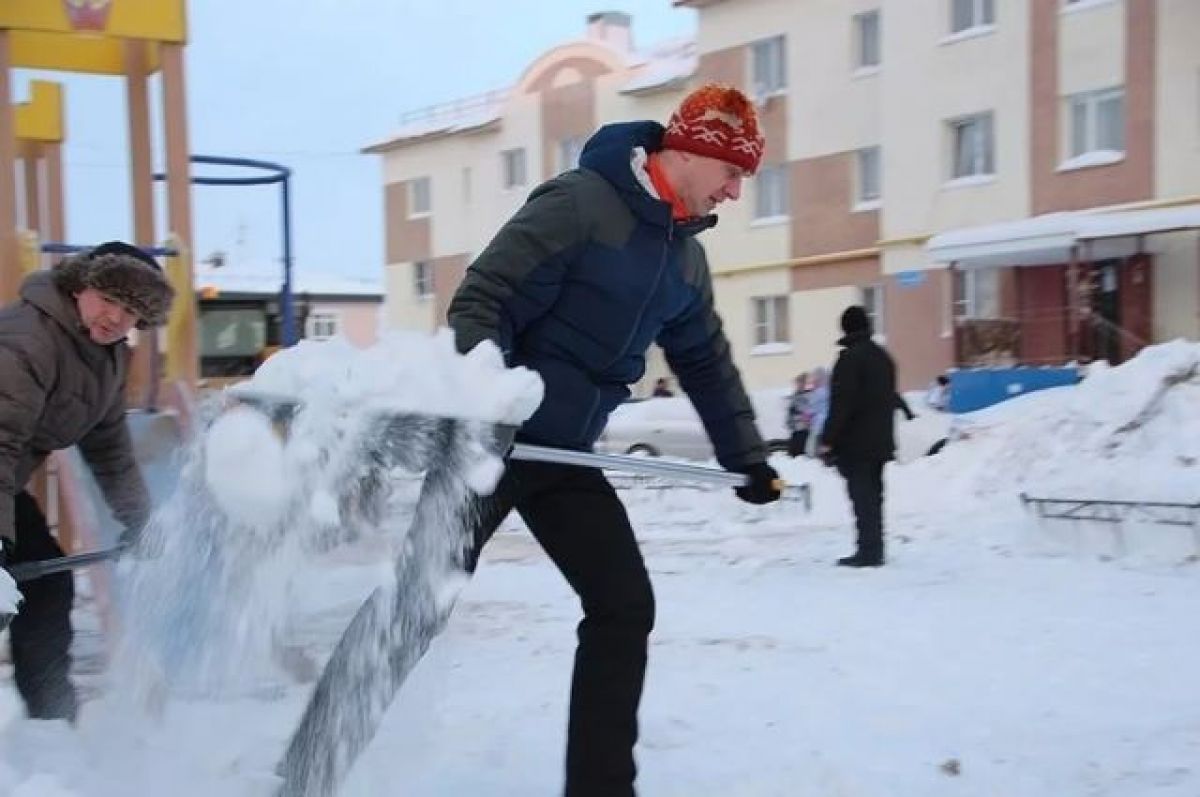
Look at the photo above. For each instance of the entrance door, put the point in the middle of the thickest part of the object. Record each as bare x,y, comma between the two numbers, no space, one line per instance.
1106,311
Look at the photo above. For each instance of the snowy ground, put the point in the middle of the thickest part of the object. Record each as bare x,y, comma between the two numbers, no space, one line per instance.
993,655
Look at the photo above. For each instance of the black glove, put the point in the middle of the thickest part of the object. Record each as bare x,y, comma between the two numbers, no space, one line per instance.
762,485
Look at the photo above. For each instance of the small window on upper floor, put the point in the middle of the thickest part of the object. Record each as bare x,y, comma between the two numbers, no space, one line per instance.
769,67
973,150
968,14
513,167
867,40
419,200
1097,123
771,192
569,150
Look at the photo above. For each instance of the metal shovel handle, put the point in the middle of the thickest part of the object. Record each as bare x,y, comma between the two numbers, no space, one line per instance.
28,571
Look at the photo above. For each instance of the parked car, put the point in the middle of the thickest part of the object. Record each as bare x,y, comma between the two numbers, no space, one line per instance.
670,426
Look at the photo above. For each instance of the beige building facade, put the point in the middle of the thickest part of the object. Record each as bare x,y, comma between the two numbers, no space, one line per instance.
997,181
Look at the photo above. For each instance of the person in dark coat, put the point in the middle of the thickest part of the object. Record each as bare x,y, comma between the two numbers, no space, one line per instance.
601,262
63,364
859,434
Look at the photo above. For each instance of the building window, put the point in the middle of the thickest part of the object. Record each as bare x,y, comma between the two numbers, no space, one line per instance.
569,150
771,192
968,14
973,146
871,298
866,38
869,177
1097,121
770,320
770,67
321,326
513,161
419,201
466,185
976,293
423,279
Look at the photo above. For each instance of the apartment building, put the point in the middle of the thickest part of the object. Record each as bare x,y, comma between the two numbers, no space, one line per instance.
996,180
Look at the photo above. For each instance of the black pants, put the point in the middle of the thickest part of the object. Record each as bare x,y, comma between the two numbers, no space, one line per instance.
581,524
797,443
864,483
41,632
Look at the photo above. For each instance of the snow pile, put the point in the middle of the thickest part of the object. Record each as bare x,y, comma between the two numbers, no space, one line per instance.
1129,432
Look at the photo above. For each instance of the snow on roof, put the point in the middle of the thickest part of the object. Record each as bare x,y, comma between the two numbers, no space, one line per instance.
262,282
659,66
666,65
457,116
1048,238
1139,222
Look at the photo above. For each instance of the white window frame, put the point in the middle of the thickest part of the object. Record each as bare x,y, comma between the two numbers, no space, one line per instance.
867,160
770,324
1088,140
981,13
514,168
771,188
868,41
322,325
420,197
569,150
871,297
983,163
422,279
768,67
980,294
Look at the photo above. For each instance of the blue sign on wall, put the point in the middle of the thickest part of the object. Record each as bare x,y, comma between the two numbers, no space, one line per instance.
910,279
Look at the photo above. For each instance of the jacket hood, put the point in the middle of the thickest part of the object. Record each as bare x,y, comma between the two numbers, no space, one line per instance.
41,290
854,337
609,152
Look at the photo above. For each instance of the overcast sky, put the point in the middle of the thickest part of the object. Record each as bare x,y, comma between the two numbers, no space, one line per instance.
308,83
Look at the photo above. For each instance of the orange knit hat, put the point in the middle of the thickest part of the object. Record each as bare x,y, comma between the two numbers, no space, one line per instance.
719,122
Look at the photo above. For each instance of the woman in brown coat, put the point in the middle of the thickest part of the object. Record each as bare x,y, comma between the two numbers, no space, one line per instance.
63,363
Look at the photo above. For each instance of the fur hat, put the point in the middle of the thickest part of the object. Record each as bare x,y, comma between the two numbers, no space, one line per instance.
122,272
718,122
855,319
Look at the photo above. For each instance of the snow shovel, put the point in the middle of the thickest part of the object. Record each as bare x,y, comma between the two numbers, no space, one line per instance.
280,409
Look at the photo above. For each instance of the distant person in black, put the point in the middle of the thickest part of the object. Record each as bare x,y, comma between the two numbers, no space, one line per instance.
858,436
662,389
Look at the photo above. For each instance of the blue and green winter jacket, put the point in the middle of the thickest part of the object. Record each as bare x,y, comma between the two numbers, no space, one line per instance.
579,283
